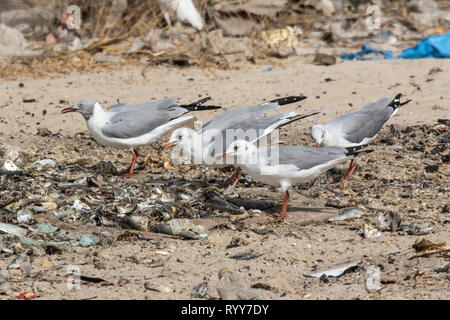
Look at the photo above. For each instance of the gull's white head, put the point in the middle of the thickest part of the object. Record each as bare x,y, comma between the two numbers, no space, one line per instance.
183,137
244,151
85,107
318,132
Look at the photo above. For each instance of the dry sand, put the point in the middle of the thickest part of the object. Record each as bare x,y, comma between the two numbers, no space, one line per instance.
305,242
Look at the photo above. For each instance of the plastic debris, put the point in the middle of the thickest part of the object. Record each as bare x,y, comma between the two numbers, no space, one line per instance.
347,214
367,53
437,46
336,271
371,232
200,290
373,280
276,38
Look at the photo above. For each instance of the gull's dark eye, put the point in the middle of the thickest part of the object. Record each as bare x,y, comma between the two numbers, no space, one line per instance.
236,148
180,137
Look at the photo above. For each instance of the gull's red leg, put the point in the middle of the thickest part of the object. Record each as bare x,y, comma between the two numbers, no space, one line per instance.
282,215
133,163
350,170
233,179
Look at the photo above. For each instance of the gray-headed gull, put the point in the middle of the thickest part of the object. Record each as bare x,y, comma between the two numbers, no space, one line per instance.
286,166
185,11
202,145
356,128
133,125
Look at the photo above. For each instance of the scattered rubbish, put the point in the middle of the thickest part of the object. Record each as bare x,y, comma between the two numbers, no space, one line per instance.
414,229
426,248
21,262
26,296
42,165
236,242
367,53
25,216
436,46
182,227
247,255
389,221
232,287
276,38
87,278
426,245
157,287
347,214
12,229
373,279
336,271
371,232
200,290
215,201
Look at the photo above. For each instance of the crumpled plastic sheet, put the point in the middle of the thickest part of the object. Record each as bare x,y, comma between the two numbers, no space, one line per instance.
436,46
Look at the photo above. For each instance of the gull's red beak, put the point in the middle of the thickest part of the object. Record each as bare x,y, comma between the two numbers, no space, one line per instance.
71,109
168,144
224,155
317,145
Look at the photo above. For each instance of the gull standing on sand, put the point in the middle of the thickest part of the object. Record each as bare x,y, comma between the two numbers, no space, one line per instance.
356,128
286,166
185,10
213,138
133,125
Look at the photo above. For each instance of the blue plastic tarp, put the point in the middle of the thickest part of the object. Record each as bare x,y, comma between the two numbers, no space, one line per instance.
436,46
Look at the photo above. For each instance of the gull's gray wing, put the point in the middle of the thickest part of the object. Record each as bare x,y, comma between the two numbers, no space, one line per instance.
155,104
236,115
138,119
303,157
363,123
249,129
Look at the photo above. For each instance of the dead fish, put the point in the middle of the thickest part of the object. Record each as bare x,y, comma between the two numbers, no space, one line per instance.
414,229
135,222
12,229
200,290
182,227
214,201
336,271
247,255
347,214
